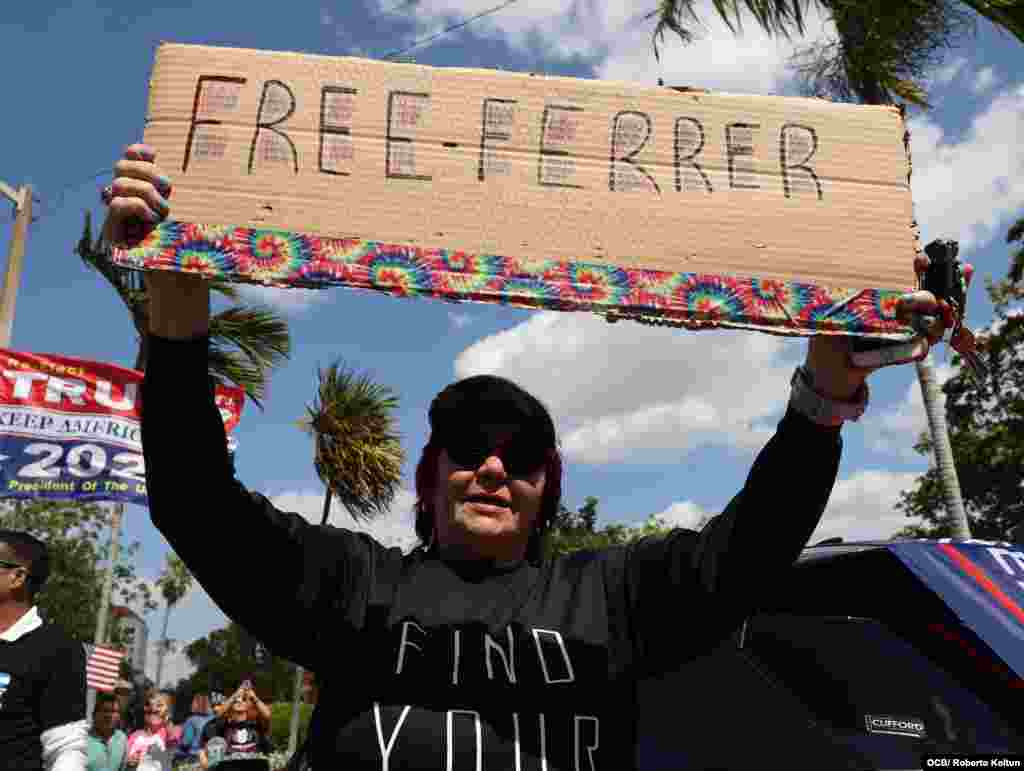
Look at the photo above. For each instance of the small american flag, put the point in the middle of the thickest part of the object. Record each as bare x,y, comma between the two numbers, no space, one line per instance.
103,668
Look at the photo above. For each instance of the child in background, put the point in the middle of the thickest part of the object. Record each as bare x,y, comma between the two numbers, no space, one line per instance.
242,733
147,747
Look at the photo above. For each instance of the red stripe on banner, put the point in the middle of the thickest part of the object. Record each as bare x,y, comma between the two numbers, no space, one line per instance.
982,578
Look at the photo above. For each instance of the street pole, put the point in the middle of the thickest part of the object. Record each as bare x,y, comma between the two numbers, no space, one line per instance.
293,729
15,257
108,588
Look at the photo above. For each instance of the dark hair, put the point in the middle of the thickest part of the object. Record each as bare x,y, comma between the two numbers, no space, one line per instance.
32,551
445,418
103,697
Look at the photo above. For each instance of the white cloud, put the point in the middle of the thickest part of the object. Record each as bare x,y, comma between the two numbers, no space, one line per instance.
984,80
967,189
620,391
396,528
289,302
684,514
459,319
894,431
950,71
751,62
617,38
863,507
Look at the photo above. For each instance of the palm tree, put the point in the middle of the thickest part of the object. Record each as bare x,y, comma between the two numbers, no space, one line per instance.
246,342
173,584
1016,236
357,455
883,50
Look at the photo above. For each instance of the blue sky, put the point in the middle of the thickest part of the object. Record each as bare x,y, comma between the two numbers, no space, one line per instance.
653,421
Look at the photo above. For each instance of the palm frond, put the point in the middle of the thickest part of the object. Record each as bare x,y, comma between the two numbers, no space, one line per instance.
357,455
231,368
256,330
1008,14
908,91
882,50
776,17
1017,266
127,283
246,342
225,289
1016,231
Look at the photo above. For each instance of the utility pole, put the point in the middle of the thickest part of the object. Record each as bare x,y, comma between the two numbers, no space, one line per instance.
15,256
108,588
293,728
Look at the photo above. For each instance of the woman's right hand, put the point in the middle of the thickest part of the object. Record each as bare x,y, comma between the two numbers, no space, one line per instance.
138,196
179,305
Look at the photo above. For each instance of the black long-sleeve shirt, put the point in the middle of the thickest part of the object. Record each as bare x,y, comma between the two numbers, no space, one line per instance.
426,664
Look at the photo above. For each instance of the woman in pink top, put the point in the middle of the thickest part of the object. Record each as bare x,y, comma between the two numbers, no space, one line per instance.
152,738
173,732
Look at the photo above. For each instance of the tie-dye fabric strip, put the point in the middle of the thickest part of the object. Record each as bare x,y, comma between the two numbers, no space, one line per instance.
693,300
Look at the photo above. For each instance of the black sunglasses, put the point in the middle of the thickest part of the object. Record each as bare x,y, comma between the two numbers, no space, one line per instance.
520,456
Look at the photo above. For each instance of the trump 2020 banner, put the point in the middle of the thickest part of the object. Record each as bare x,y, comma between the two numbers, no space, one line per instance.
71,429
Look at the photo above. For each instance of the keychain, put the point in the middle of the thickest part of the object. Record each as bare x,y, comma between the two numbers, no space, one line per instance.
946,280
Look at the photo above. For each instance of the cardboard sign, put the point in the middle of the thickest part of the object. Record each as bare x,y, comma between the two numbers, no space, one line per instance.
786,214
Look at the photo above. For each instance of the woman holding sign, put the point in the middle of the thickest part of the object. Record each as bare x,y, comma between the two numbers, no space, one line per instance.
472,651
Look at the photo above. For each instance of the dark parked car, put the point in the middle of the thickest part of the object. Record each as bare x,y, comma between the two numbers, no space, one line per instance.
870,656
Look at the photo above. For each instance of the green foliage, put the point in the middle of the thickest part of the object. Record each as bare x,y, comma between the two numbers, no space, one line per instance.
986,430
777,17
246,342
281,723
573,531
883,49
226,656
76,535
357,453
175,580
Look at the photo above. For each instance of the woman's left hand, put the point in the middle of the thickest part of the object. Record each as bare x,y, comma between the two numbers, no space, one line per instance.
828,356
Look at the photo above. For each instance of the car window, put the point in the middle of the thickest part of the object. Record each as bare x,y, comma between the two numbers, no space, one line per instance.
875,689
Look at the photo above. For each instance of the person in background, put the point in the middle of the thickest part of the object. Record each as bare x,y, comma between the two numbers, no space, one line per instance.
123,694
173,738
42,670
107,742
151,739
310,690
244,729
192,730
219,705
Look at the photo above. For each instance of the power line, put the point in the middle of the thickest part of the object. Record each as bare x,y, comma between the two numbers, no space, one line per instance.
452,28
51,208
